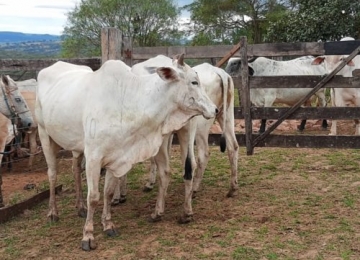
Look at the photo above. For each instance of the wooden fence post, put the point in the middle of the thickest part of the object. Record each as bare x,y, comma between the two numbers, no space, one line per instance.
127,51
111,44
244,95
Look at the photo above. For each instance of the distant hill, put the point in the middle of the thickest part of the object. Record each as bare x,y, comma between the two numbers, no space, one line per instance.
16,45
14,37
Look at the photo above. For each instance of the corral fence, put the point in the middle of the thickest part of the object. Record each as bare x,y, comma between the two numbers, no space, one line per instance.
115,46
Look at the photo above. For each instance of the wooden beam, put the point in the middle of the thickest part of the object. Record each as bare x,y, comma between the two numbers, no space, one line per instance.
228,55
245,95
294,141
300,102
9,212
34,65
299,81
340,113
111,44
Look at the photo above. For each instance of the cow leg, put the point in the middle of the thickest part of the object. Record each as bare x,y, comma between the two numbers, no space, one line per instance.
232,150
153,168
50,149
76,168
262,126
33,148
301,127
109,188
203,153
335,103
120,191
152,176
92,169
1,196
163,166
186,136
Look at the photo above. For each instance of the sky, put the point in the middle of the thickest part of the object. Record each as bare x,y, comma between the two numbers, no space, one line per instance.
41,16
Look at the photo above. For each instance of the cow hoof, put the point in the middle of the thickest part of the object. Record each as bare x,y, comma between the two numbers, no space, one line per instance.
122,199
152,219
231,193
185,219
111,232
82,213
147,189
53,218
300,129
88,245
115,202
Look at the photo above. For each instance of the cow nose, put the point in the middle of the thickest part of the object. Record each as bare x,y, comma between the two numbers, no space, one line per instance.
29,124
216,111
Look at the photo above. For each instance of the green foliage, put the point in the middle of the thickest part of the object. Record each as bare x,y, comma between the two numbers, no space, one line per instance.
314,20
224,21
147,23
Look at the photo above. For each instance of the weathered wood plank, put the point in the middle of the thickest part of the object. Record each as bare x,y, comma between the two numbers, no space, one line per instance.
245,95
19,64
340,113
301,101
286,49
299,82
111,43
191,52
294,141
9,212
228,55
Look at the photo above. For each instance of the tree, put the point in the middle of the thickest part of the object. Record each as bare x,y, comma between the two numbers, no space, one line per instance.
147,23
224,21
314,20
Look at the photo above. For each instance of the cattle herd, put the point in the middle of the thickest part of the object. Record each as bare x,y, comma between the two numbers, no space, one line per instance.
118,116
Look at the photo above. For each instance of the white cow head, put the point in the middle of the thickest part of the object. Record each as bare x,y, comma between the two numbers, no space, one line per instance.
192,96
13,104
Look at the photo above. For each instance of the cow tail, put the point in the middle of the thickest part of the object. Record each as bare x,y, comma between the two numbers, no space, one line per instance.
188,167
225,88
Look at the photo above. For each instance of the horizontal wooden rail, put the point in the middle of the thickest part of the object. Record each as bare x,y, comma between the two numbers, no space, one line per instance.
11,211
20,64
199,52
295,141
300,81
340,113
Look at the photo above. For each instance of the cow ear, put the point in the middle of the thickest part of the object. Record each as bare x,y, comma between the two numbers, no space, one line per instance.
167,74
318,60
179,59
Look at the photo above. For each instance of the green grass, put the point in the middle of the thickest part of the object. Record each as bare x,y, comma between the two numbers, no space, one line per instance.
291,203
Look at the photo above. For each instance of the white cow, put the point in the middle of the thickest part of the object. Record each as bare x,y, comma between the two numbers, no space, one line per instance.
342,97
13,106
116,119
219,87
266,97
8,131
28,91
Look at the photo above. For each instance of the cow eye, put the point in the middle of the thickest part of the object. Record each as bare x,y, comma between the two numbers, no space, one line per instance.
18,99
195,83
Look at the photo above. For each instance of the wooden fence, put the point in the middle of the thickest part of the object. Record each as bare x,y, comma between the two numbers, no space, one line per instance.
114,46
